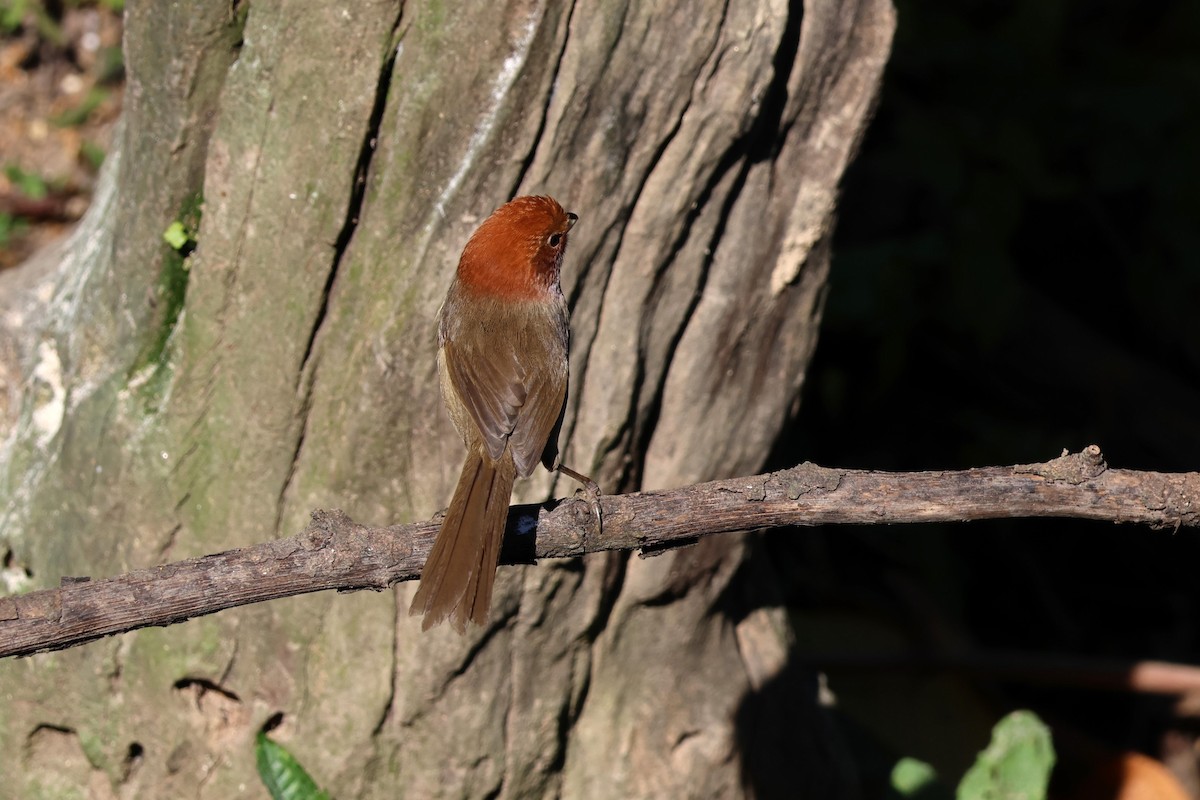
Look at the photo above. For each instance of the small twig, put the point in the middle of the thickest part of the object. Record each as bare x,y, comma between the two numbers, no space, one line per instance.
334,552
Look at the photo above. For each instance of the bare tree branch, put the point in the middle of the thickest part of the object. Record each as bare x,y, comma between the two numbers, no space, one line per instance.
334,552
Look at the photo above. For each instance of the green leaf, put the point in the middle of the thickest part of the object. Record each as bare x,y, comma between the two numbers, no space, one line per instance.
1016,764
110,66
910,777
10,228
77,115
176,235
92,154
29,184
11,15
282,774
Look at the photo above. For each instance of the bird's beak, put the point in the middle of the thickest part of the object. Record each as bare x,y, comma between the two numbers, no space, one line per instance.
571,220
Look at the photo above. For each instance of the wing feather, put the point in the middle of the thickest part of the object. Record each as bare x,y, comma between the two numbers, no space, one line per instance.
510,405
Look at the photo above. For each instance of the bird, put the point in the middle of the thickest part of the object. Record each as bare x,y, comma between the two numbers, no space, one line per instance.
503,336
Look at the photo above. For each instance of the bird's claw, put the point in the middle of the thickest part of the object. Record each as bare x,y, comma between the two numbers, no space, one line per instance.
588,492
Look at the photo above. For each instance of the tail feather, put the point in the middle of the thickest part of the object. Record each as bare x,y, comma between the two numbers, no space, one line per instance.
457,579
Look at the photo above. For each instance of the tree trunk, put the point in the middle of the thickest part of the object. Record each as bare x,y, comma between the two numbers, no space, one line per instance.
162,407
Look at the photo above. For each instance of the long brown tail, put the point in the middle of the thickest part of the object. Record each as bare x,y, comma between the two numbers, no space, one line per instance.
458,575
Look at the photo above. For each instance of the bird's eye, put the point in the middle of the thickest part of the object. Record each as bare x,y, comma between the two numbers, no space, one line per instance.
554,240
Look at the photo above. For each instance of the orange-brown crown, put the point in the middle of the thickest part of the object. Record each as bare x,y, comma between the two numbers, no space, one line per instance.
518,250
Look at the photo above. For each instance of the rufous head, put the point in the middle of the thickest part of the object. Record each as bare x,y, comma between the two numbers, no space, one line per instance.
517,252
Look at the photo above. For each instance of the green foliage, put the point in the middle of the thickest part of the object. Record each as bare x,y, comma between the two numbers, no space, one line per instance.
181,234
151,371
1015,765
914,778
178,236
44,16
11,14
29,184
111,66
10,228
15,13
92,153
79,113
282,774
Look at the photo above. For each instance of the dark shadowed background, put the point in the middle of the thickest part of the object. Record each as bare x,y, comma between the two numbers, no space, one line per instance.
1016,271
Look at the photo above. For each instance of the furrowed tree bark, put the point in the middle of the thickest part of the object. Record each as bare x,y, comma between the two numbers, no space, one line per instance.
333,552
163,407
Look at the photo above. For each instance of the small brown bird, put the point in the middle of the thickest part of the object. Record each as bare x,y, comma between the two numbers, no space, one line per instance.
502,361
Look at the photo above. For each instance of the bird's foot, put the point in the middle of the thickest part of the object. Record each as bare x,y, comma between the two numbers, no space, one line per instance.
588,492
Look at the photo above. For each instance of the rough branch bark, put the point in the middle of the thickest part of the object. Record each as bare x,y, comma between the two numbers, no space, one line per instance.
334,552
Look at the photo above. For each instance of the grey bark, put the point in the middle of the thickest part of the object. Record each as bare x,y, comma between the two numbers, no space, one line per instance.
343,156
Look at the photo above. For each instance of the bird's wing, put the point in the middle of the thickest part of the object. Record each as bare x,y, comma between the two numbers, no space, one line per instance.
492,389
537,421
509,404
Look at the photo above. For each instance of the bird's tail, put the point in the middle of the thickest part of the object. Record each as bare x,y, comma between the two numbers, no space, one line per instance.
457,579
